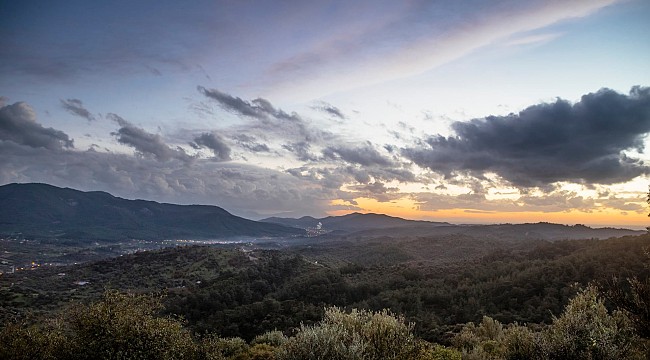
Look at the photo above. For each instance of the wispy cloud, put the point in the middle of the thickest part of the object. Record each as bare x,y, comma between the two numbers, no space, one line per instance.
330,110
76,107
532,39
446,31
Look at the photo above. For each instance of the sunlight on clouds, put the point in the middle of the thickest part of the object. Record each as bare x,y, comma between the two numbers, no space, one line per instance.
408,208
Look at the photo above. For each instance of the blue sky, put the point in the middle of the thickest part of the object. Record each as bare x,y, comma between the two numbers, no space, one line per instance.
467,111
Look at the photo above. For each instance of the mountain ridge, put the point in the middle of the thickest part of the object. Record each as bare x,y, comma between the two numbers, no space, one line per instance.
42,210
352,222
371,224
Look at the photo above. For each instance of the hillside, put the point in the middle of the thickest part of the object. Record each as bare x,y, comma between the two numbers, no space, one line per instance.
45,211
245,291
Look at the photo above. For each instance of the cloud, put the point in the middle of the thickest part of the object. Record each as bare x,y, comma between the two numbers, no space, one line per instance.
533,39
359,53
239,188
216,143
376,190
329,166
270,120
116,38
250,143
329,109
76,107
234,104
154,172
302,150
18,124
146,143
258,108
548,143
365,155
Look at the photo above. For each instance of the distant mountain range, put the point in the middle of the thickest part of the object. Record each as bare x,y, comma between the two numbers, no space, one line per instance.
351,222
45,211
376,225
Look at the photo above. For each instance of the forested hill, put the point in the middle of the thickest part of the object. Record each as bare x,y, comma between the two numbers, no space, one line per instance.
45,211
245,292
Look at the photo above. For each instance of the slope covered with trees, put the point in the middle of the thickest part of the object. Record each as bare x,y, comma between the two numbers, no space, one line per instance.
245,293
45,211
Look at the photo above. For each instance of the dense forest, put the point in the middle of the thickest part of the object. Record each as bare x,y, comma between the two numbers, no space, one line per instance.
246,293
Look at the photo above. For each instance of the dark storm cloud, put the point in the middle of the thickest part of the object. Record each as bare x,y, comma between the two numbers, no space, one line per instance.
76,107
365,155
144,142
547,143
18,124
216,143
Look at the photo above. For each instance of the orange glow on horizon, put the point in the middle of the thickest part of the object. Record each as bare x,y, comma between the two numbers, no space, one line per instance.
406,208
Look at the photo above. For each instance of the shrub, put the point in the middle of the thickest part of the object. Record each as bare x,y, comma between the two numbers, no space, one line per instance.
273,338
216,348
120,326
355,335
586,330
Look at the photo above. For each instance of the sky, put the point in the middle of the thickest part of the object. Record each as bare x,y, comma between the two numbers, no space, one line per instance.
469,111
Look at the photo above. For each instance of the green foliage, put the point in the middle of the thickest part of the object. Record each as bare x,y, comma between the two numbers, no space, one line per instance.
632,295
126,326
19,341
274,338
244,294
485,341
217,348
355,335
586,330
439,352
520,343
121,326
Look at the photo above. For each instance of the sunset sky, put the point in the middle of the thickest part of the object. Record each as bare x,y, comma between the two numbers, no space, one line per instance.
470,111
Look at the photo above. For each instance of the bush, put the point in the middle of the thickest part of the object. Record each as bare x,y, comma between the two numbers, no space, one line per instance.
217,348
356,335
274,338
586,330
120,326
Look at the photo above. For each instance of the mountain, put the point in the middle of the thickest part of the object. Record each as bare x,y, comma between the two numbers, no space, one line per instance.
376,225
45,211
352,222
